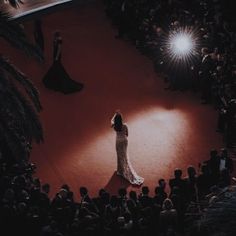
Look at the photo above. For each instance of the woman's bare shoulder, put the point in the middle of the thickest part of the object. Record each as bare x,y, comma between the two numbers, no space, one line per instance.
125,125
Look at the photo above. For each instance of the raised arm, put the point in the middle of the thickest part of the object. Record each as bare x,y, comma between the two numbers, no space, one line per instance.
113,120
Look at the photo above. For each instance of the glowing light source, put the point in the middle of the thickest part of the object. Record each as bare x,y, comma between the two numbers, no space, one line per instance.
181,44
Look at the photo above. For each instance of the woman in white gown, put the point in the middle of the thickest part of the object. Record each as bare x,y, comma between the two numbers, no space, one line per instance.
124,167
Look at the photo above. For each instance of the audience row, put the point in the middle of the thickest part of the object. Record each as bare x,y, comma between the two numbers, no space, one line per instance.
26,208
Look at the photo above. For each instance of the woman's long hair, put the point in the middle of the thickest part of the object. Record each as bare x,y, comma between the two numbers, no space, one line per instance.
118,123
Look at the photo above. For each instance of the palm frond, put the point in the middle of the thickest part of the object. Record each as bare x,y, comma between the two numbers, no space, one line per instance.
13,33
15,108
19,122
15,3
30,119
22,79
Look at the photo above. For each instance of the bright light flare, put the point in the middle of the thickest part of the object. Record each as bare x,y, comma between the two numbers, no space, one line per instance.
181,45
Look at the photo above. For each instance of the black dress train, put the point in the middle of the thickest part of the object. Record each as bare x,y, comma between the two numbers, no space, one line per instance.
57,78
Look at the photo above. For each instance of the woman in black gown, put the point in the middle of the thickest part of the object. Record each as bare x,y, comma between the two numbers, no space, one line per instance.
38,34
57,78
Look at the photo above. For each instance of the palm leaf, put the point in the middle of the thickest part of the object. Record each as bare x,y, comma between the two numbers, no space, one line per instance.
15,3
32,125
19,122
21,78
13,33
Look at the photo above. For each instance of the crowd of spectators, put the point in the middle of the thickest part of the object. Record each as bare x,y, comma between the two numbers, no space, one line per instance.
211,71
27,209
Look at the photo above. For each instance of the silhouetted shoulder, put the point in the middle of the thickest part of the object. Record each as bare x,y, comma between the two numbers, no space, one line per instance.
125,125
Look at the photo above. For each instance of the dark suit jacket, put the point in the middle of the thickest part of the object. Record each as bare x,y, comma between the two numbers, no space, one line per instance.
145,201
229,164
206,67
180,183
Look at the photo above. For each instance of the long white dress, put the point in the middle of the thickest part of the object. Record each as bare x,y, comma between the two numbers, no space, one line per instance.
124,167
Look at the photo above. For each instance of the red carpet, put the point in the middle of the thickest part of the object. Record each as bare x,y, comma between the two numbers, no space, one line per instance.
167,129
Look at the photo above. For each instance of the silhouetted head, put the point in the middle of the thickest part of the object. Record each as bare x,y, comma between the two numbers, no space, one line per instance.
162,183
224,153
83,191
145,190
37,183
167,204
178,173
213,153
122,192
204,51
46,188
105,198
133,195
101,192
191,171
66,187
118,122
